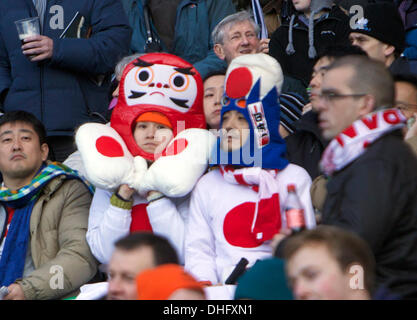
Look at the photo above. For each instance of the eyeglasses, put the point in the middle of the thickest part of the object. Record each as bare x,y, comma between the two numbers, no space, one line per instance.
331,96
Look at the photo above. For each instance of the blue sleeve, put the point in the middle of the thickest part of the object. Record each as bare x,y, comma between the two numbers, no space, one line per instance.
217,10
5,76
108,43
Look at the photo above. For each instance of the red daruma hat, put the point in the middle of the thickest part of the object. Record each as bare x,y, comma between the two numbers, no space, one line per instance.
158,86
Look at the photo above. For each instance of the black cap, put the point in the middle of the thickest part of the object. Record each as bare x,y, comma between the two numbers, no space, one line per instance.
382,22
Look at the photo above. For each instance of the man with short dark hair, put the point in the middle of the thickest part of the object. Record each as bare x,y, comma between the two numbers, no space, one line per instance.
133,254
372,178
406,101
43,215
329,263
306,145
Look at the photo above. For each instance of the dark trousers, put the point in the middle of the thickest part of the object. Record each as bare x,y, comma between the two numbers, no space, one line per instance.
60,147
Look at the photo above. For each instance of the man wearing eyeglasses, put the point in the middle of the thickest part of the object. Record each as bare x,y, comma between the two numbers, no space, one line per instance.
406,101
372,186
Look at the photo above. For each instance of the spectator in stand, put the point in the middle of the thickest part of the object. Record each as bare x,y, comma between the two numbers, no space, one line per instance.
306,145
44,213
314,25
236,35
213,94
406,101
373,178
146,188
180,27
329,263
235,209
380,33
74,160
133,255
64,82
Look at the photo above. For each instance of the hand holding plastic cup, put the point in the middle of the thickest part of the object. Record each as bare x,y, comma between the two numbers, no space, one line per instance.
27,28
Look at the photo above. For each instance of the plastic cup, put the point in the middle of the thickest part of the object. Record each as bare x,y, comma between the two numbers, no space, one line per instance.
27,27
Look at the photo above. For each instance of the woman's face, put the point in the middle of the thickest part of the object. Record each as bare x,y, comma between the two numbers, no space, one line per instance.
213,92
152,137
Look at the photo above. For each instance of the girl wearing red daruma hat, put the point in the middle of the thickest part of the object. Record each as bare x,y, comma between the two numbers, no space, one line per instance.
148,160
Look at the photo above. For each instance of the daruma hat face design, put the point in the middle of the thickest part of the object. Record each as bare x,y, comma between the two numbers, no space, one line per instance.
158,82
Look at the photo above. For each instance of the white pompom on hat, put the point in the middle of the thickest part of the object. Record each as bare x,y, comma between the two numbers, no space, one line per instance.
260,65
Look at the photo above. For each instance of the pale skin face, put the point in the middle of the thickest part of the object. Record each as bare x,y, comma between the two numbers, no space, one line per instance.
319,70
21,154
237,130
213,92
124,266
152,137
314,274
406,98
374,48
238,40
406,101
337,114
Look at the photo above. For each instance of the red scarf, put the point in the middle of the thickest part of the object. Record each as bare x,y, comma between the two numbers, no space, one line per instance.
354,140
140,219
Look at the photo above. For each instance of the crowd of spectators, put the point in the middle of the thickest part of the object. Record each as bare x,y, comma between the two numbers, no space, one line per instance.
150,150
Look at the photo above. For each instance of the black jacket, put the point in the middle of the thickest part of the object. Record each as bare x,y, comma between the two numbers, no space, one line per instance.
329,31
306,145
376,197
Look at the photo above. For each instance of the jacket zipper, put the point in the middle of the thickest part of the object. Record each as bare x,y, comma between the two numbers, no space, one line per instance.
180,7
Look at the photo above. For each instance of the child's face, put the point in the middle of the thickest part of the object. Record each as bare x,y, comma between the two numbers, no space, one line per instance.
236,130
152,137
302,5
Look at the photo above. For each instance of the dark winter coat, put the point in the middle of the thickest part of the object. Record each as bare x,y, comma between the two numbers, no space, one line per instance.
306,145
376,197
328,30
65,90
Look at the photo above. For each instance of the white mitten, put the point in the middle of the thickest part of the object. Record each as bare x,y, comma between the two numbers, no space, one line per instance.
184,161
107,161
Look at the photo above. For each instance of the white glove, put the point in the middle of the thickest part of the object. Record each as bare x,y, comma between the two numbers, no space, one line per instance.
107,161
175,173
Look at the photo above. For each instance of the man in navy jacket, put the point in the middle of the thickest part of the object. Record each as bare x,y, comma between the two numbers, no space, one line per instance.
191,29
64,82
